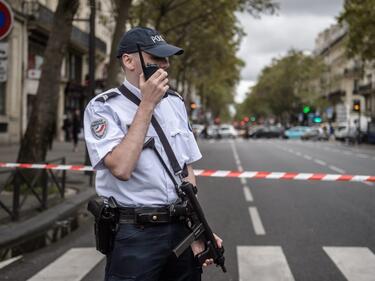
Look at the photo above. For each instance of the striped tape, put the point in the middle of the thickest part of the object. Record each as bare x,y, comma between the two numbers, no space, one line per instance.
218,173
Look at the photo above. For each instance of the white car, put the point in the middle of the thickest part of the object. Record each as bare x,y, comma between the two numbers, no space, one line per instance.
227,131
197,129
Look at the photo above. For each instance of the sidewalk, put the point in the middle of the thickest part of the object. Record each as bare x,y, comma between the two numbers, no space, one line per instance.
32,222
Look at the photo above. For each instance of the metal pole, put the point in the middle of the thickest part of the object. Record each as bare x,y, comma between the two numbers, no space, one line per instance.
91,61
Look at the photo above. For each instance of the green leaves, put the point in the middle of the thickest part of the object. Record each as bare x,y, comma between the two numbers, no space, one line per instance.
209,33
284,86
360,16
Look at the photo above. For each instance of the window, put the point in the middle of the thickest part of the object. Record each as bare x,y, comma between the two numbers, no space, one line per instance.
2,98
74,67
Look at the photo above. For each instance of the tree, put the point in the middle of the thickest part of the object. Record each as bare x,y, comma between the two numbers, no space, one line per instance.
284,86
209,33
43,115
122,13
360,16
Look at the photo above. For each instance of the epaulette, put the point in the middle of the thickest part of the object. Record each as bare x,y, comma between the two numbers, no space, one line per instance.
107,96
175,94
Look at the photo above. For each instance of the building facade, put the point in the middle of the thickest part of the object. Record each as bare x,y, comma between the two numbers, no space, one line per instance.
345,79
27,42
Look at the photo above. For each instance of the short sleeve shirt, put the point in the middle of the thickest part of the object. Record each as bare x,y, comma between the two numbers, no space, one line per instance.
106,123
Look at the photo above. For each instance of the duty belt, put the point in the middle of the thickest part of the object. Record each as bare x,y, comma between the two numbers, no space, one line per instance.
143,216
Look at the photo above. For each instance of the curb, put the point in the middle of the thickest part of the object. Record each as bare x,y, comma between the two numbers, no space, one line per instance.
19,232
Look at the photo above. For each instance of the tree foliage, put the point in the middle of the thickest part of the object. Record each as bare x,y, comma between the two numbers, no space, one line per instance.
360,16
209,33
283,87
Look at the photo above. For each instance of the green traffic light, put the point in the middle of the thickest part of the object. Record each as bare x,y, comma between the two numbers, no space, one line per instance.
306,109
317,119
252,118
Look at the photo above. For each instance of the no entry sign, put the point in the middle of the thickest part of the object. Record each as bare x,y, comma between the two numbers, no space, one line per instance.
6,19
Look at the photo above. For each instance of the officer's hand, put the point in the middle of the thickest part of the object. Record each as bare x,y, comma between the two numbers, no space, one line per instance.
154,88
199,247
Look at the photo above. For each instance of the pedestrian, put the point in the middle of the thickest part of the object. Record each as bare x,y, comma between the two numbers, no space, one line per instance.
115,131
67,127
76,128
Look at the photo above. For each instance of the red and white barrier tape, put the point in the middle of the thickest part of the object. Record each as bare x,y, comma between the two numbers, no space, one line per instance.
218,173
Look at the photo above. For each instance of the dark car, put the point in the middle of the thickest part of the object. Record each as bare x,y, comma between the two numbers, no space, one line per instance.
267,132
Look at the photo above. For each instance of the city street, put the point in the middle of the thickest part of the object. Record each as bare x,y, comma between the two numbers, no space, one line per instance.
272,229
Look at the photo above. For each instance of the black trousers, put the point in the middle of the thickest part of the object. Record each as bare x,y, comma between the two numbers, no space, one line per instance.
145,253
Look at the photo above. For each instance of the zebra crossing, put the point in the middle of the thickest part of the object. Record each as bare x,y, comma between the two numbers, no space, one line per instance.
261,263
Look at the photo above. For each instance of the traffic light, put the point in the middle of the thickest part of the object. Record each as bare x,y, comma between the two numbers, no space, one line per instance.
193,105
356,105
317,119
253,118
306,109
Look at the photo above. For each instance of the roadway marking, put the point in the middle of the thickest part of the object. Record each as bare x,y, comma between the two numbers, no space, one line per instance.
74,265
9,261
262,263
363,156
243,181
320,162
356,263
236,157
307,157
336,169
257,223
247,193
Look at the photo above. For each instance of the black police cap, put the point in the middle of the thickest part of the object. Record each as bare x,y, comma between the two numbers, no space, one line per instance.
150,42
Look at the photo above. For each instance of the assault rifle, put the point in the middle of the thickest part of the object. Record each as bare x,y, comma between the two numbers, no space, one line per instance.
200,230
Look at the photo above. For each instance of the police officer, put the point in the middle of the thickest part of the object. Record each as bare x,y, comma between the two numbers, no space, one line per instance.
115,132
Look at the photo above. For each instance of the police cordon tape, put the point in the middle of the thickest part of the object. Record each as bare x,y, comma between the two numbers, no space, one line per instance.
218,173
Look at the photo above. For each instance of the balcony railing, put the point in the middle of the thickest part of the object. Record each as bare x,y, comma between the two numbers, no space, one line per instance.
363,89
42,16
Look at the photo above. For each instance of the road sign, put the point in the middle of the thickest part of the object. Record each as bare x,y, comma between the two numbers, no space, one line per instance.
6,19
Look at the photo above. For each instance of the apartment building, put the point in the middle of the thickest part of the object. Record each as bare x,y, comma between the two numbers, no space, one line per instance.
346,79
26,44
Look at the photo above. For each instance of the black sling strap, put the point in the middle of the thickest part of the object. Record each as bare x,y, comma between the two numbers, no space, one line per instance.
164,141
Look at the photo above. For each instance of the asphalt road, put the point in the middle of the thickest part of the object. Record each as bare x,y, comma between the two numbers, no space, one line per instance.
272,229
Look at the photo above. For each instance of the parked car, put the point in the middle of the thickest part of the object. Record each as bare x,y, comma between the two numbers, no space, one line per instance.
197,129
212,132
266,132
296,132
227,131
315,134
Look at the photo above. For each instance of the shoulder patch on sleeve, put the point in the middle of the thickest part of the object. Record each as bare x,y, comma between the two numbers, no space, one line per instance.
103,98
99,128
175,94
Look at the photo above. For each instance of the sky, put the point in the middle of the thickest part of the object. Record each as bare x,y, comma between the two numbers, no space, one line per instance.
296,25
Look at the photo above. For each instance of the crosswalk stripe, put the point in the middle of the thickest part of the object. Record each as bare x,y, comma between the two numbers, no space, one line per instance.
72,266
356,263
262,263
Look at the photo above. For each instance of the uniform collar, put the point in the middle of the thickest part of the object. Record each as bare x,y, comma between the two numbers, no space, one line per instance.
133,88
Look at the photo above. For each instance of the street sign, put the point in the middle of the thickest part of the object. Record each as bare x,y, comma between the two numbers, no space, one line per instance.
6,19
